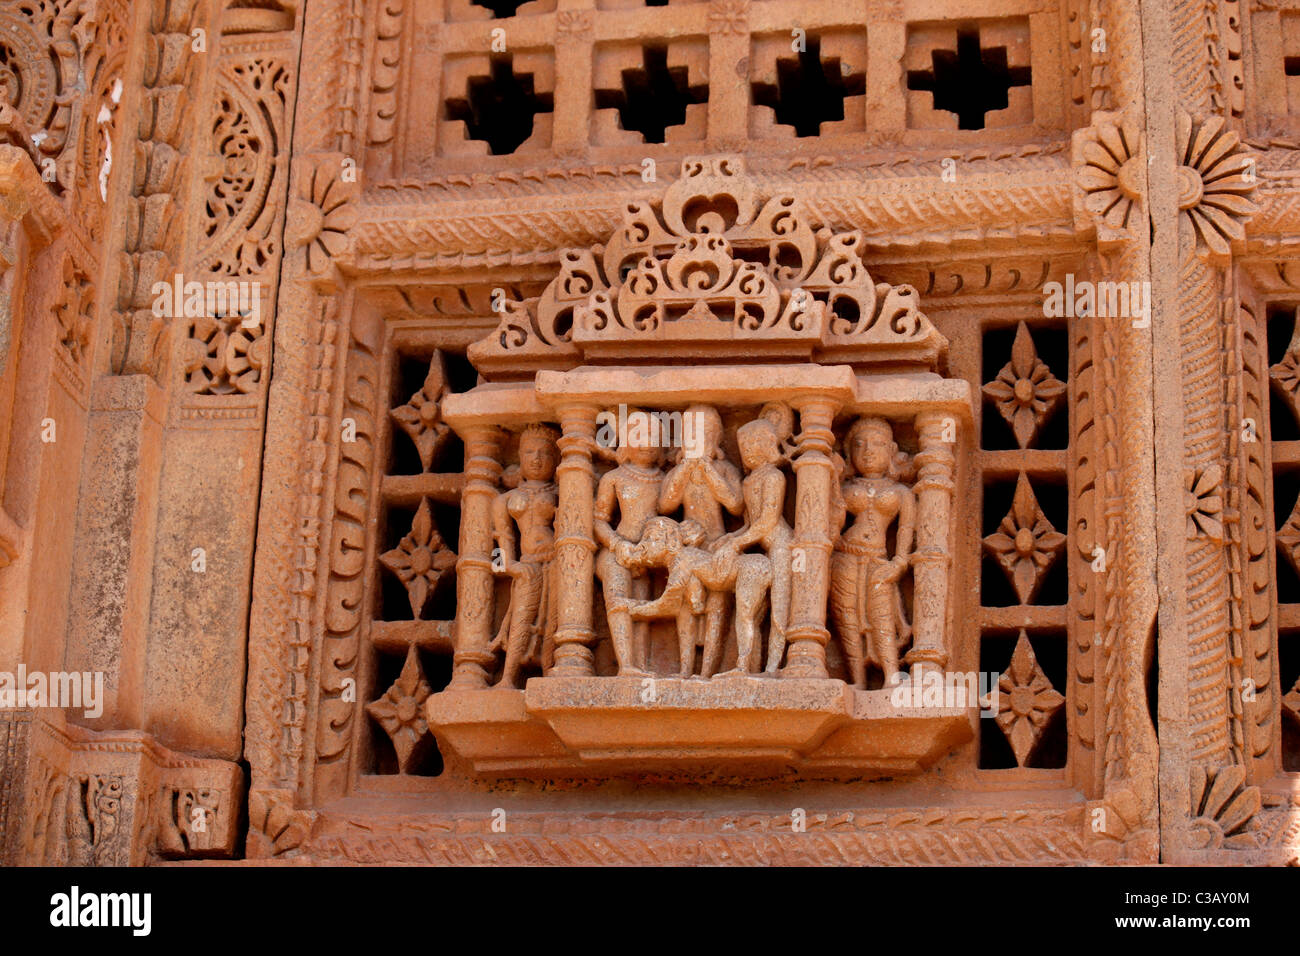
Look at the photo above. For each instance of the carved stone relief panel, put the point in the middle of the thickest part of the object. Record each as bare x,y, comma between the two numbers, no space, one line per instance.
770,511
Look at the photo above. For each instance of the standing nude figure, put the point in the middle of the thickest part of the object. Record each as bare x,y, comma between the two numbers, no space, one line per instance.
866,604
530,620
704,485
764,492
632,487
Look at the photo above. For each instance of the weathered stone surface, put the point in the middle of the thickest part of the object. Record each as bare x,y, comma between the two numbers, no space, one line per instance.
590,407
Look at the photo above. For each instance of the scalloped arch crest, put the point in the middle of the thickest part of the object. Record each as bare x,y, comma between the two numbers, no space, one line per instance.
715,272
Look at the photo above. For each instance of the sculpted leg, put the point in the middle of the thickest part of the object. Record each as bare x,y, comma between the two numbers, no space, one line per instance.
880,612
525,601
616,583
752,583
715,616
844,616
685,641
639,590
542,647
781,580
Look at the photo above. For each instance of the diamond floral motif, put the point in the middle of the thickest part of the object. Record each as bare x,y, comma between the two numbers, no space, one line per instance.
1203,501
1025,391
1291,702
420,559
1026,701
421,417
1286,375
401,710
1288,539
1025,544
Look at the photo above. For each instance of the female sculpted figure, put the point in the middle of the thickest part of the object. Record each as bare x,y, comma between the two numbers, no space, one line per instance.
765,524
866,605
531,616
632,487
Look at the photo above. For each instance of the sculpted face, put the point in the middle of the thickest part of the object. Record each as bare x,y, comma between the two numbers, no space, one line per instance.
659,540
871,451
759,444
781,418
536,457
703,431
644,456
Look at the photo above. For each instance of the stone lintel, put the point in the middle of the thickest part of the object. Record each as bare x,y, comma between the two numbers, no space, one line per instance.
669,386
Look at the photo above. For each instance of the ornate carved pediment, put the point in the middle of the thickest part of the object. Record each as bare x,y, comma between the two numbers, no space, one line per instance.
713,272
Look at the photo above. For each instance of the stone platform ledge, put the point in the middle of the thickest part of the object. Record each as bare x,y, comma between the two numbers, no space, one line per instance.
746,726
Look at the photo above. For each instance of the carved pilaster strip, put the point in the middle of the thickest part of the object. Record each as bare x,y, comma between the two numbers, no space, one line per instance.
474,579
813,537
932,560
1251,554
1113,631
575,543
344,614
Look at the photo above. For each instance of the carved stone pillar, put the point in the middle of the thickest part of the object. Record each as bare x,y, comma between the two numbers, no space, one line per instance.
575,544
473,662
814,475
932,559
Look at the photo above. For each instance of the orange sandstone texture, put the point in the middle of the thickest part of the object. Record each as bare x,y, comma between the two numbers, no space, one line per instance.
725,431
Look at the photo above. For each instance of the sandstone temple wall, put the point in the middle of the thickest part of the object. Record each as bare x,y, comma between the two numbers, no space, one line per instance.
972,328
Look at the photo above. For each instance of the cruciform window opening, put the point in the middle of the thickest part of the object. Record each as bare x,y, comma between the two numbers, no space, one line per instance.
970,81
809,90
500,109
654,96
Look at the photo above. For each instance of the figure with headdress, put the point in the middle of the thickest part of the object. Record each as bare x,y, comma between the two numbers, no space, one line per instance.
631,487
865,598
528,629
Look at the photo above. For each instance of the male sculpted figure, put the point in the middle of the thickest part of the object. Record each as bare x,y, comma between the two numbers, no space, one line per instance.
866,605
704,484
764,492
531,616
632,487
692,573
